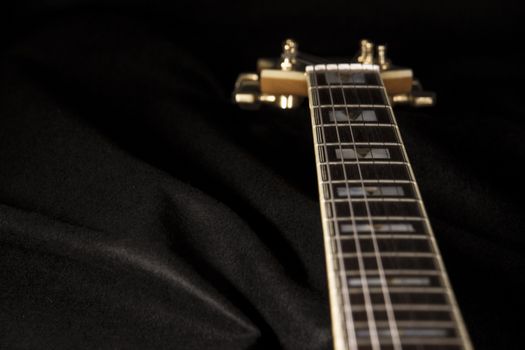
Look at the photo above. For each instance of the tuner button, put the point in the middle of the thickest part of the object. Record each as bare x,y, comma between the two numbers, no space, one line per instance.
289,55
290,46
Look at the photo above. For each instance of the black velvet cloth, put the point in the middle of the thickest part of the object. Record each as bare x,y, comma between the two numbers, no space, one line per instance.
140,209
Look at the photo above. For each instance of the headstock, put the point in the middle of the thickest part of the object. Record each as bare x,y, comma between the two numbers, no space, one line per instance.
282,82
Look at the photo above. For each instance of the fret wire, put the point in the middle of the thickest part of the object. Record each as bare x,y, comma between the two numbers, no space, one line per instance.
360,124
398,272
345,176
361,144
407,307
416,324
368,162
389,236
422,290
353,106
372,181
396,132
378,200
397,218
387,108
389,254
391,318
423,341
346,86
348,317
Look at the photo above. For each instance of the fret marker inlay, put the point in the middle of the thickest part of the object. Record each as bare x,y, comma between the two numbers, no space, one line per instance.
402,227
372,191
340,115
362,153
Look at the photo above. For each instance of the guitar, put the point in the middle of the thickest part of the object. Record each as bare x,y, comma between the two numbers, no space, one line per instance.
387,283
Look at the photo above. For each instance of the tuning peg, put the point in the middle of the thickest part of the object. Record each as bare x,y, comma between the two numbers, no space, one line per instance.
416,98
382,60
366,54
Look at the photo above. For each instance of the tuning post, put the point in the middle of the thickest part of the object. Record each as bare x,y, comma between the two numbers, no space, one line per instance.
289,55
383,62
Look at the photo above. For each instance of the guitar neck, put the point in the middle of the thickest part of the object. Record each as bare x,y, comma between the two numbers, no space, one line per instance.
387,282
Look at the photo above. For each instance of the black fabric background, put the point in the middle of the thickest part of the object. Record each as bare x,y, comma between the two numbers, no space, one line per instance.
140,209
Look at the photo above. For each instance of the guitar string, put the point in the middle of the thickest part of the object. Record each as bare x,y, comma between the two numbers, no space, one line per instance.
360,260
368,304
403,296
438,263
371,322
416,262
426,225
375,132
391,115
350,331
391,317
396,265
384,287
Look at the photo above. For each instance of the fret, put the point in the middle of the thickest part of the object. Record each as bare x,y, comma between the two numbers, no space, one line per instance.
344,96
405,294
395,281
381,134
346,115
401,290
391,263
377,298
366,172
405,307
404,316
386,228
355,106
410,324
416,343
371,191
388,272
380,218
362,143
455,346
414,331
325,78
380,208
385,254
419,343
364,152
347,85
374,199
371,182
386,245
368,162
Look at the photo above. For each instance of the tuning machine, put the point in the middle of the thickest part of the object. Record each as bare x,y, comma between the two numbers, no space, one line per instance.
402,87
250,90
282,82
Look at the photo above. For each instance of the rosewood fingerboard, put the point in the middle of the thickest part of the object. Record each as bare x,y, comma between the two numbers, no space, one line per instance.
388,286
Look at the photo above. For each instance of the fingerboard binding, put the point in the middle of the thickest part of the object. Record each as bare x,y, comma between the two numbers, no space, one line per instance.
387,282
